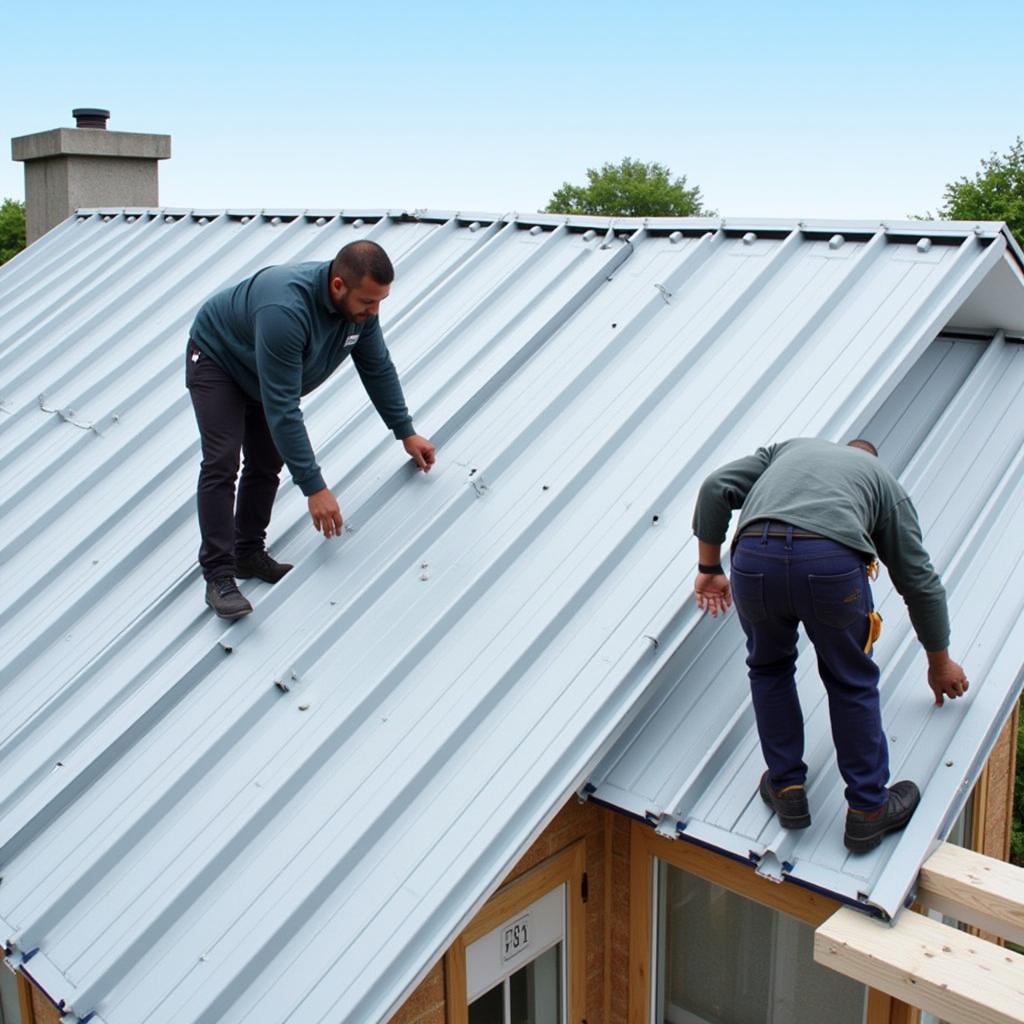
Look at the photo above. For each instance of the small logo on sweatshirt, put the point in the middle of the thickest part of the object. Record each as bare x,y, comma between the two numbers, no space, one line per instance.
351,340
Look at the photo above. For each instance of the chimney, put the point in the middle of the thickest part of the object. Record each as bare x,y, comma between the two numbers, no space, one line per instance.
86,166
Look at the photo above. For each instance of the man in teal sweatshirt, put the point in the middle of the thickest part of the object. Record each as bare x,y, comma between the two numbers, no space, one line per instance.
814,516
254,350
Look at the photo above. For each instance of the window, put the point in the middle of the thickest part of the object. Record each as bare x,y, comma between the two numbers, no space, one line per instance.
725,959
9,1008
522,959
515,973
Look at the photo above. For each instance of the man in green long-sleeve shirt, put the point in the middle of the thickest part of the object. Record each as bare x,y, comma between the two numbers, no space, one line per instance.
255,348
814,516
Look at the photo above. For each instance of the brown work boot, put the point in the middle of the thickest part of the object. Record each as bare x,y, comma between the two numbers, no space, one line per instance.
788,803
864,829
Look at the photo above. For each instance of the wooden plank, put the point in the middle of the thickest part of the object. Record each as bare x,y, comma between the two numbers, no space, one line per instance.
641,923
975,889
956,976
25,1003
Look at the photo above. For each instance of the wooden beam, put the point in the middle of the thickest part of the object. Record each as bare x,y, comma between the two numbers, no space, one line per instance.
975,889
956,976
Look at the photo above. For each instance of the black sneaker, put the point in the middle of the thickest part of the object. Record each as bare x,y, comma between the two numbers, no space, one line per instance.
224,597
864,829
788,803
260,565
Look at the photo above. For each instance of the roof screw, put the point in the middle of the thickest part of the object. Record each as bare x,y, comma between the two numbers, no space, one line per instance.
536,229
106,218
677,236
978,229
358,222
204,220
475,226
275,220
835,241
303,707
708,234
131,220
168,220
245,220
321,221
749,238
949,764
589,236
924,244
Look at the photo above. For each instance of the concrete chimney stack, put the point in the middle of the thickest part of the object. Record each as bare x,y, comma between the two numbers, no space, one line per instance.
67,169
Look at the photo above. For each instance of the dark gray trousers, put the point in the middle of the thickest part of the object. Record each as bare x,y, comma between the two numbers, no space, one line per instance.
230,423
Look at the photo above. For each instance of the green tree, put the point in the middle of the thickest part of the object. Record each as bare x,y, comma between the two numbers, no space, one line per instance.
631,188
995,193
12,229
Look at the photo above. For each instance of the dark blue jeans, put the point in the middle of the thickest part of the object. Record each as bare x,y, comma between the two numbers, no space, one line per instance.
778,582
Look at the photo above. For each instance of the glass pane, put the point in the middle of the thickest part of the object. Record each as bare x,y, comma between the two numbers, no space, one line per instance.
535,991
489,1008
728,960
9,1010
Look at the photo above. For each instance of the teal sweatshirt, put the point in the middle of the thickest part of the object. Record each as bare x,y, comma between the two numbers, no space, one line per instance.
279,336
838,492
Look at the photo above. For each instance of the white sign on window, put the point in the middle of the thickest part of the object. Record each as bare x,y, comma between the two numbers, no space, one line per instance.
515,938
518,940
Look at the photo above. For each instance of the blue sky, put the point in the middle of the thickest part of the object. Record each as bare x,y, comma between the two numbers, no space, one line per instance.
791,109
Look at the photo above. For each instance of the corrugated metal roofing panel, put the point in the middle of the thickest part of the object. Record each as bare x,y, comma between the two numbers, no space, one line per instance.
182,841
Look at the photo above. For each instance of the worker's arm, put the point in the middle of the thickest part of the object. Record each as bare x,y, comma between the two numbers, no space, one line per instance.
280,340
713,592
723,491
901,547
380,378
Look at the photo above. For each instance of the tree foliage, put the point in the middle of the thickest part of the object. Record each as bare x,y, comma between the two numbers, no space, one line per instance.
630,188
995,193
12,229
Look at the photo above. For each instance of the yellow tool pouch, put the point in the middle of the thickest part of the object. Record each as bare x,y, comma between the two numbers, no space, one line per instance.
874,630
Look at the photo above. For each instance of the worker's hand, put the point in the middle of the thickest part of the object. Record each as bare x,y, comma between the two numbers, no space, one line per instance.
945,677
326,515
713,593
421,450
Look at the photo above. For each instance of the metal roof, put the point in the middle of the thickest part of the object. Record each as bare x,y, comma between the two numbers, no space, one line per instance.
181,839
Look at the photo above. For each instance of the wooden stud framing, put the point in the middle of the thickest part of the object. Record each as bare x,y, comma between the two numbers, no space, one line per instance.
28,1015
952,974
975,889
565,868
956,975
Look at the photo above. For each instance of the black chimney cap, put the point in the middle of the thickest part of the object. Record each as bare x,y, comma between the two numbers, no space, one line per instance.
90,117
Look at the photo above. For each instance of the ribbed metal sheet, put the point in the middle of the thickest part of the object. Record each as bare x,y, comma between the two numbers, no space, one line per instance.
180,840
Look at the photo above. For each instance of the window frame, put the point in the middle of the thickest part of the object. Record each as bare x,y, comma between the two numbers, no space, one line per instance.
565,868
788,898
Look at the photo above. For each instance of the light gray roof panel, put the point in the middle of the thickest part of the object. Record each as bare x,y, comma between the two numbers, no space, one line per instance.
181,840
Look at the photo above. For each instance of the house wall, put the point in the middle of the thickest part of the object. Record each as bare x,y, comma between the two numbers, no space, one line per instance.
606,838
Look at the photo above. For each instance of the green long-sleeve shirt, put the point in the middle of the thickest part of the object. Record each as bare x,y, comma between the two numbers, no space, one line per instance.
843,493
279,336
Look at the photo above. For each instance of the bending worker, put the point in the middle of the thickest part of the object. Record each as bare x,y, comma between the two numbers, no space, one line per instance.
255,349
815,514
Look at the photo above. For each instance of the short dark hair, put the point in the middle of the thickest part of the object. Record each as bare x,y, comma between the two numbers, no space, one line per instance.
362,259
864,445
